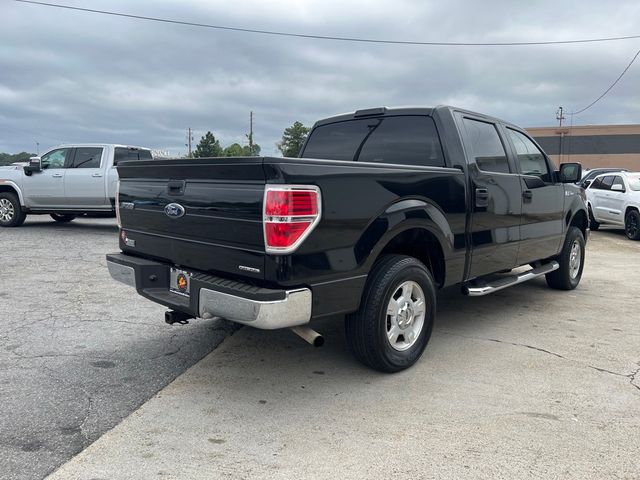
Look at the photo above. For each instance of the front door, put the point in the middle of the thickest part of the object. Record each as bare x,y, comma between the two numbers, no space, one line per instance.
542,227
84,183
497,199
45,189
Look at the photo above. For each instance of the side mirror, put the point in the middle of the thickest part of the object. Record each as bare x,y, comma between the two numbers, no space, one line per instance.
35,165
617,188
570,172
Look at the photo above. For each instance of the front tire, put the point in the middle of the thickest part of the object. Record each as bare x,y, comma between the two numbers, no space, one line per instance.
395,320
62,217
11,213
632,225
571,260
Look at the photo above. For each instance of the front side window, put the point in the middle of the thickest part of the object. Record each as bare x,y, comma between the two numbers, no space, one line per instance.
486,146
597,184
401,140
55,158
606,183
87,157
530,158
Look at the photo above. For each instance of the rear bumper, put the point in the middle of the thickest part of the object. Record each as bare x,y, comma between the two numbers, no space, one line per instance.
214,296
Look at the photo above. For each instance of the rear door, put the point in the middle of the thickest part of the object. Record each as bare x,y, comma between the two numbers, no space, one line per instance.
542,227
45,189
496,195
84,183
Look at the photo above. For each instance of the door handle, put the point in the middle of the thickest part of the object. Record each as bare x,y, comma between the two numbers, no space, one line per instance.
57,175
527,195
482,197
96,175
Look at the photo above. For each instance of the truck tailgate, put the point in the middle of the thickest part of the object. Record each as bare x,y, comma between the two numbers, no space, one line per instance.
221,227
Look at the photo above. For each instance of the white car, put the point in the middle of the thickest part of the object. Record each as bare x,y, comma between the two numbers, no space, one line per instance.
614,199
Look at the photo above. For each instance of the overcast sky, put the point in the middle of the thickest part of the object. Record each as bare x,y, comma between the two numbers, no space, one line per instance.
69,76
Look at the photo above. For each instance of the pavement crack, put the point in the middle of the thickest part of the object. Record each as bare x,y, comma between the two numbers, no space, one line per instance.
538,349
631,376
526,346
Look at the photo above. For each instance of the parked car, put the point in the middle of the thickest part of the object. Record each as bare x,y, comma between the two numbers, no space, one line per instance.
67,181
589,175
615,200
384,208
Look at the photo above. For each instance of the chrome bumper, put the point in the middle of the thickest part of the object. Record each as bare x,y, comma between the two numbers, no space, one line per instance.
292,310
122,273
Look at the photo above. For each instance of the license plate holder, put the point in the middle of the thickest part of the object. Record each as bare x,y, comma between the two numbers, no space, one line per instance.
180,282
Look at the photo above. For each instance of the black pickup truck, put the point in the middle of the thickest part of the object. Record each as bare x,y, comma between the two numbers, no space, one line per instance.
383,208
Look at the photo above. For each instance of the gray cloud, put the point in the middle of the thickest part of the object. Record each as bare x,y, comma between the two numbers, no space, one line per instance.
71,76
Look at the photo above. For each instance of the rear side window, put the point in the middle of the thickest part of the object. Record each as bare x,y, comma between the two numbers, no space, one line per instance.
486,146
122,154
401,140
618,181
87,157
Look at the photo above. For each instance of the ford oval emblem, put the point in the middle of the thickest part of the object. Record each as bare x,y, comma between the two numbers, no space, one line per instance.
174,210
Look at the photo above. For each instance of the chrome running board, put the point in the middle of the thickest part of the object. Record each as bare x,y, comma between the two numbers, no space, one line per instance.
480,288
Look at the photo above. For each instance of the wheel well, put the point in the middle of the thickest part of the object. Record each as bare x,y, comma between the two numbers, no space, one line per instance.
581,221
7,188
626,212
423,245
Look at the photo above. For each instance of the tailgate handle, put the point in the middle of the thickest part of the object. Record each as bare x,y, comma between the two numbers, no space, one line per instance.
176,187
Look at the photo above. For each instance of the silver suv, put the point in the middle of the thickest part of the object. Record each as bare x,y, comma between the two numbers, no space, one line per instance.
65,182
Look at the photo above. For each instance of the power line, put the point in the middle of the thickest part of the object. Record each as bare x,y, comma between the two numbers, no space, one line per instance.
327,37
610,86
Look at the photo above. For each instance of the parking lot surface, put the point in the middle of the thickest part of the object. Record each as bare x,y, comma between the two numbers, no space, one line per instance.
527,383
78,351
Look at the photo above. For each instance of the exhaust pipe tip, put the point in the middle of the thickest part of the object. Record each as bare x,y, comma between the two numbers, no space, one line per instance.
308,335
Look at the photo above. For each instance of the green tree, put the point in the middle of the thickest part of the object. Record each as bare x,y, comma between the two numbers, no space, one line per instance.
234,150
292,139
237,150
8,159
208,146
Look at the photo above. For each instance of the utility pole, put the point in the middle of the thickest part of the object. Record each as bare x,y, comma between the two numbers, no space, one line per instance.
189,140
251,132
38,148
559,116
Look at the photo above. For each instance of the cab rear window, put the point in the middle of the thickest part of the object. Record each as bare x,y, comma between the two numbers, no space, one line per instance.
122,154
401,140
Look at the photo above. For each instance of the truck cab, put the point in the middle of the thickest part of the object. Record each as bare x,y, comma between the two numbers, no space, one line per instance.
66,181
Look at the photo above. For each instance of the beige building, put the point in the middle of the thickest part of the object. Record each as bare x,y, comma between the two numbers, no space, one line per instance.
592,145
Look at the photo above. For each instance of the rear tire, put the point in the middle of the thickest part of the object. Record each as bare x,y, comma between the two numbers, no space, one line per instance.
632,225
11,213
593,224
571,260
394,323
62,217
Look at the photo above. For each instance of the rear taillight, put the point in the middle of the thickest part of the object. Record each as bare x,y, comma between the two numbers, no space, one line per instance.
117,204
290,214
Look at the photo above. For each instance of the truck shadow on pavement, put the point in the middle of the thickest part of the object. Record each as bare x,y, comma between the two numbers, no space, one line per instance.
268,355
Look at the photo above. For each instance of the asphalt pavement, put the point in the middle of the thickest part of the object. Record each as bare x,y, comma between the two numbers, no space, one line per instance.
78,351
526,383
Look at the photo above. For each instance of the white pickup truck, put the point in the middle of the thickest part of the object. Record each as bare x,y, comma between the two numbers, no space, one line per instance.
65,182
